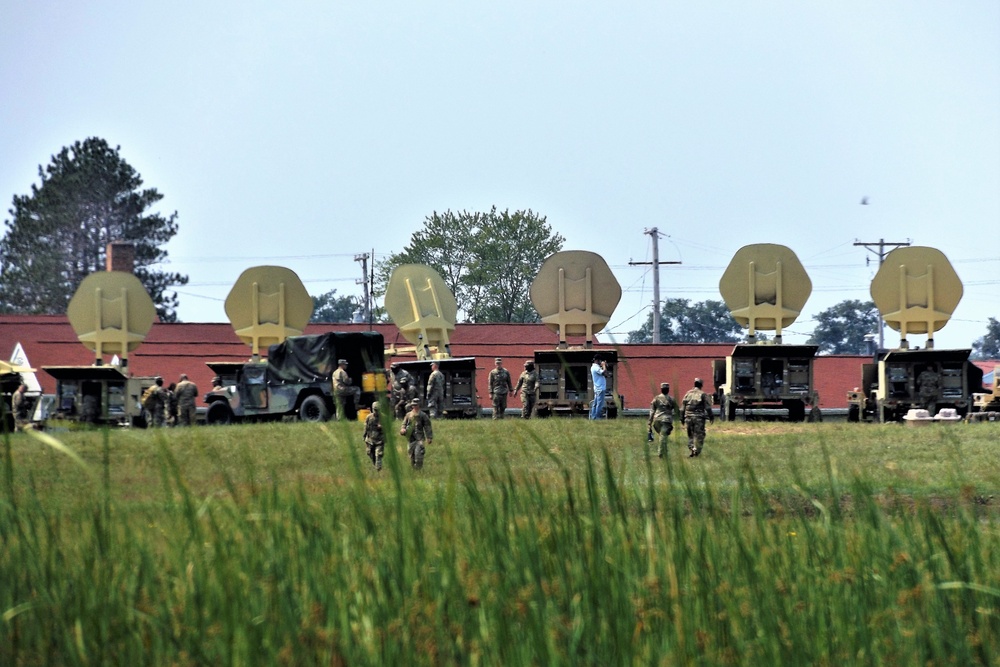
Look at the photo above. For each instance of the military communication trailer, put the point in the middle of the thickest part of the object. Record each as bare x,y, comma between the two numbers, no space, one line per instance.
916,290
765,288
575,294
296,379
765,377
111,313
565,385
424,310
890,387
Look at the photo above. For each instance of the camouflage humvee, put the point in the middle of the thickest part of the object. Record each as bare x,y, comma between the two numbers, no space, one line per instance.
296,379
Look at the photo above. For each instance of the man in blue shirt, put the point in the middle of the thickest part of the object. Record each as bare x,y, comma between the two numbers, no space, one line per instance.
598,372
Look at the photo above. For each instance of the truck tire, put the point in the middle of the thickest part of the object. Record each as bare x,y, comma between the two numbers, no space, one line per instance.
313,409
218,413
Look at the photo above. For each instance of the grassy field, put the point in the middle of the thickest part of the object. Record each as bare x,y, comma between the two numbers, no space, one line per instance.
544,542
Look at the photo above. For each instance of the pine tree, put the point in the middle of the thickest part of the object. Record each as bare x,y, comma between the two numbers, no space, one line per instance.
88,197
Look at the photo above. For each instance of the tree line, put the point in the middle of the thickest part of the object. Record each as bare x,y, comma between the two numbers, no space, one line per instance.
89,195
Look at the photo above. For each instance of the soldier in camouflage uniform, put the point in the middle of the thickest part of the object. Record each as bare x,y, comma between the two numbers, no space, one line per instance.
928,382
527,384
374,437
19,405
186,393
500,386
661,417
342,389
435,390
401,380
154,400
407,392
417,427
696,406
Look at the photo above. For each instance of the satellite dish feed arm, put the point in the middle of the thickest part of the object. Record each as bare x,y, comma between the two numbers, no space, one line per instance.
424,325
566,317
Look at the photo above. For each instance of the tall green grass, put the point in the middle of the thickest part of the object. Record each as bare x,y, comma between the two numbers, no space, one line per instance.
557,542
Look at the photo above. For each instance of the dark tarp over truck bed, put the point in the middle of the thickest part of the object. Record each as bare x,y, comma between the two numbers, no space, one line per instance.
306,359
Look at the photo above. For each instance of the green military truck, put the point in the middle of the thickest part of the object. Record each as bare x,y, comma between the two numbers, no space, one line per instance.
296,379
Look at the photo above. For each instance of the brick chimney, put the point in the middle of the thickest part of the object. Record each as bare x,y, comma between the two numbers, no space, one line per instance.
120,257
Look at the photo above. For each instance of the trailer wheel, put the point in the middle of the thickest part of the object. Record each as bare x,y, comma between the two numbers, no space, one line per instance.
313,409
218,413
853,414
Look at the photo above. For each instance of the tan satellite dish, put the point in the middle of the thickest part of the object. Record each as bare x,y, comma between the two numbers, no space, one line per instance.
916,290
765,287
266,305
575,294
111,313
6,368
422,308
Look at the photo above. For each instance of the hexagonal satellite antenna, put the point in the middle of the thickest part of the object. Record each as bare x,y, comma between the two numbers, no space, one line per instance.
266,305
916,290
111,313
765,287
423,309
575,294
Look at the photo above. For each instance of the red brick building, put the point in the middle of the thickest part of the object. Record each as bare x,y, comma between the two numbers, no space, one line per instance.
172,349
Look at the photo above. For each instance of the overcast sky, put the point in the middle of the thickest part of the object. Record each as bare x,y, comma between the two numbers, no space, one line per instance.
304,133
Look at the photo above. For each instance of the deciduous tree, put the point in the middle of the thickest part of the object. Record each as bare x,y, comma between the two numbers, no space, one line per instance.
329,307
488,260
988,347
841,329
683,322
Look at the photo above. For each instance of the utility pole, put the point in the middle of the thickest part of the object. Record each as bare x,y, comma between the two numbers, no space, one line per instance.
654,233
366,306
881,243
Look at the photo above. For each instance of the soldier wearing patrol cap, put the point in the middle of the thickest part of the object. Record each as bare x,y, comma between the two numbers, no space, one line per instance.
342,388
417,427
500,386
661,417
435,391
696,406
527,384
